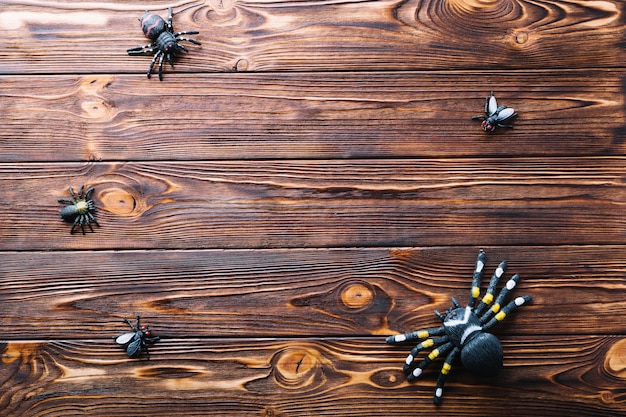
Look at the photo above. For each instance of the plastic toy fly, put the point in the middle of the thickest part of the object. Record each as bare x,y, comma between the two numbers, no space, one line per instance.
136,341
496,115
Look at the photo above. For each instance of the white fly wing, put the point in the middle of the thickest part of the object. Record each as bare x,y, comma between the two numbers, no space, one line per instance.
505,114
493,105
125,338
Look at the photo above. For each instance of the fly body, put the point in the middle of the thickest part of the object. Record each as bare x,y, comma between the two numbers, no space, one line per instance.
500,116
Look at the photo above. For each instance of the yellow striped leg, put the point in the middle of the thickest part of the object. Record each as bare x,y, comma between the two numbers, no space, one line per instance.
478,275
416,335
489,295
445,369
426,344
518,302
497,305
434,354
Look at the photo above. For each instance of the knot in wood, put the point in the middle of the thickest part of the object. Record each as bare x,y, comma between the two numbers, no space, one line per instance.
97,109
521,37
222,6
222,11
241,65
615,360
357,295
117,201
297,368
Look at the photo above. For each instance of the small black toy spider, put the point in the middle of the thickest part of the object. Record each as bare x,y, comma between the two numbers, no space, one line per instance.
136,341
80,209
496,115
463,331
164,40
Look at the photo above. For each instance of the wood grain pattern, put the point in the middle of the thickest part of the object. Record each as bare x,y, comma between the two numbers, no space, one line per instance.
320,204
306,182
309,115
321,36
312,293
280,377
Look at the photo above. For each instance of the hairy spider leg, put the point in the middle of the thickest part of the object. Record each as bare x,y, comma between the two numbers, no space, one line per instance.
512,305
434,354
154,58
170,27
88,192
478,275
443,375
74,194
93,219
489,295
497,305
138,50
188,32
169,57
85,220
76,221
161,65
416,335
426,344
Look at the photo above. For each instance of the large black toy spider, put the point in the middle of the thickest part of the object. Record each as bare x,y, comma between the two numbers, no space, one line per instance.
80,209
464,331
136,341
164,40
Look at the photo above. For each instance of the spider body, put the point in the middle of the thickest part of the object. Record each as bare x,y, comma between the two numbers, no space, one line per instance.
496,115
464,331
165,42
137,341
79,209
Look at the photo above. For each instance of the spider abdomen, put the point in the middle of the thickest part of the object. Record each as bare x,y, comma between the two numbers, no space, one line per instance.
152,25
69,213
482,354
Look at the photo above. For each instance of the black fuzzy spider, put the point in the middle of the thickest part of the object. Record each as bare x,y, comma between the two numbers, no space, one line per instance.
80,209
463,331
164,40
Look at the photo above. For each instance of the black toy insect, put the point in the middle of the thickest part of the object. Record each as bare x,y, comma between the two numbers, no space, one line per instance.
496,115
80,209
464,331
136,341
164,40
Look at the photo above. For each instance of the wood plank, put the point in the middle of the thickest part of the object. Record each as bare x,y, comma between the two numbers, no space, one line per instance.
43,37
309,115
581,376
577,290
292,204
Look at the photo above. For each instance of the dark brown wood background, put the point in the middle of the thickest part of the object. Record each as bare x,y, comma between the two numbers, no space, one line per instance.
306,182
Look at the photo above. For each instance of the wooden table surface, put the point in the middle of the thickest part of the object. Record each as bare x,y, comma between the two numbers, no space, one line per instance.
301,185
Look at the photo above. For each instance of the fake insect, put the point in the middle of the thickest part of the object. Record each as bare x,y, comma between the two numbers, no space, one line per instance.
80,209
496,115
164,40
464,331
136,341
